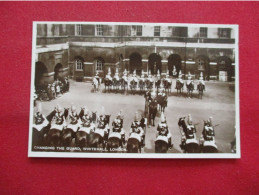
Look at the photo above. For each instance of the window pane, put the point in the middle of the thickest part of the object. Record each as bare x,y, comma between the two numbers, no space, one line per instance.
157,31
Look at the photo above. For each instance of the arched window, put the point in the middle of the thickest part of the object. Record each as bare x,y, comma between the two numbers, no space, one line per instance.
79,64
99,65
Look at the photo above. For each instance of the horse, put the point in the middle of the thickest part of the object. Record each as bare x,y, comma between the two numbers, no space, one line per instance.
141,85
82,136
161,146
167,86
124,84
158,83
133,85
39,136
190,145
152,110
54,137
200,88
179,87
116,84
96,140
133,145
108,84
96,84
113,143
190,88
162,102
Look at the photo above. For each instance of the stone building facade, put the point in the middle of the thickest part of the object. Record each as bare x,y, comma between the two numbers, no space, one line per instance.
82,50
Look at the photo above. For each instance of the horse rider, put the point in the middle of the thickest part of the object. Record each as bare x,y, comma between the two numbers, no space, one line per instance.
201,81
40,121
116,76
117,128
136,130
58,120
97,77
189,79
179,78
102,126
167,78
142,76
174,72
208,130
125,77
134,77
74,120
108,76
162,130
86,124
150,77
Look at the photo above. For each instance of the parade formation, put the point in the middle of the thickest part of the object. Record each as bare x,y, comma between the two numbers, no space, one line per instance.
92,131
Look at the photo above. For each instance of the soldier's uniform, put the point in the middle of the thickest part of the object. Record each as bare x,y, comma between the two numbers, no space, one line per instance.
86,125
163,132
136,131
189,79
74,121
134,77
58,121
40,120
117,128
208,131
201,81
168,78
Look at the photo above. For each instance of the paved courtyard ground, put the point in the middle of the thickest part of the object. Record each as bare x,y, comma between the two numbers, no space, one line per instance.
218,101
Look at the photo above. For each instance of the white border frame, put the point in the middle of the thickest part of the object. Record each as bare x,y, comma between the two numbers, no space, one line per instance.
141,155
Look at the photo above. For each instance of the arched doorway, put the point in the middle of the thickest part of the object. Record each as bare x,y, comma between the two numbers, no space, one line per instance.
224,67
135,62
58,72
202,64
174,60
154,63
40,69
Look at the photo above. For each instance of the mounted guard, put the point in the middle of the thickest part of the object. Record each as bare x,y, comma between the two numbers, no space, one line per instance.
179,83
163,136
189,84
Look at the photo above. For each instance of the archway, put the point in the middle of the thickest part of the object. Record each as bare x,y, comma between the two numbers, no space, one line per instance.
174,60
202,64
40,69
135,62
58,72
154,63
224,64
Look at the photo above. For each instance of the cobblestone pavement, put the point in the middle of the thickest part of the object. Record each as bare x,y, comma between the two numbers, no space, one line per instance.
218,101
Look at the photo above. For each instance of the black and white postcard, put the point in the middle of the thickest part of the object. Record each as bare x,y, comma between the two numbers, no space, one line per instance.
134,90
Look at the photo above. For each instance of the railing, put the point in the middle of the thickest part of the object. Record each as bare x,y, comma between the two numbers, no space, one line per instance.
110,39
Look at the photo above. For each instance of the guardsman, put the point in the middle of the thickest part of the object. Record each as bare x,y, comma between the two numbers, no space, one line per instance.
167,77
162,130
108,76
190,133
116,76
136,130
174,72
179,79
150,77
40,120
158,75
201,81
142,76
117,128
208,131
134,77
97,77
125,77
189,79
87,125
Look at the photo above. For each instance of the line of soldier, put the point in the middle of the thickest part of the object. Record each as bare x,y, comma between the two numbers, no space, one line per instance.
84,122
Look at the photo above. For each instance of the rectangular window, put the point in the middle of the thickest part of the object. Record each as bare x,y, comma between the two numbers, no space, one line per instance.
175,32
179,32
78,29
99,30
99,65
224,32
79,65
157,31
139,30
203,32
